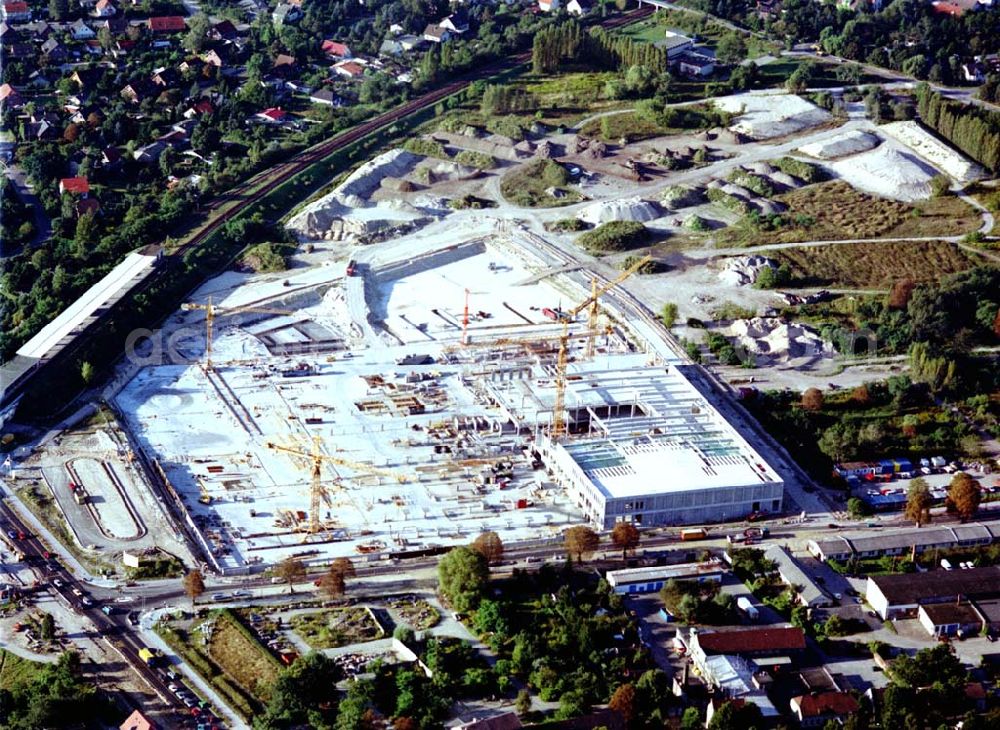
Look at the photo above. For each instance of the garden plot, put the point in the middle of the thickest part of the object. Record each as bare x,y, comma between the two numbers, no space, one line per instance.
337,627
763,117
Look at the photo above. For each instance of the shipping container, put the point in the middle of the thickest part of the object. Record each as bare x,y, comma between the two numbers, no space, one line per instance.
693,533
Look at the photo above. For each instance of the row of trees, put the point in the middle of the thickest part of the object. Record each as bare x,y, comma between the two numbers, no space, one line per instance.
564,43
964,498
974,130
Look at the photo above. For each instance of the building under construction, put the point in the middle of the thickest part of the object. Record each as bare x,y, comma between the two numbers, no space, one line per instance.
643,445
422,401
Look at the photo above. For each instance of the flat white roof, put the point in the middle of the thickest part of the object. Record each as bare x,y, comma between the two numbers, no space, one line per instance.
664,572
651,430
81,313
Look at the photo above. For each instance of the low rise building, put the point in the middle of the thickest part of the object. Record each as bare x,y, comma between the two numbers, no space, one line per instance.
807,590
818,709
652,579
894,596
950,619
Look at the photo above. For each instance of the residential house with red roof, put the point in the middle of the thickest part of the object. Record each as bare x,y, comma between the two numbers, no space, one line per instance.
333,49
274,115
349,69
816,710
167,24
16,12
74,186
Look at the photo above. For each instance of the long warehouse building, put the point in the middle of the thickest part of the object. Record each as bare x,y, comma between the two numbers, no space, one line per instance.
644,446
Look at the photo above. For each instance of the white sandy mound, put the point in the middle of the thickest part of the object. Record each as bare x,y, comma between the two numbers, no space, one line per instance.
743,270
442,170
330,219
784,179
939,154
771,115
628,209
366,179
887,172
849,143
771,336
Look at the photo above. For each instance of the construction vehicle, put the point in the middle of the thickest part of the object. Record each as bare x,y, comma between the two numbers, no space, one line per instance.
317,491
558,416
211,312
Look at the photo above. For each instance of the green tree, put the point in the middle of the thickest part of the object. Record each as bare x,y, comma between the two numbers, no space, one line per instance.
196,37
668,315
857,508
733,717
58,9
301,694
691,719
580,540
731,48
523,702
463,575
918,502
625,537
964,495
86,373
47,630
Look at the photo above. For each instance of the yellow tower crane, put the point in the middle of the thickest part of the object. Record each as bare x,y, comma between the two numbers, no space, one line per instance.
558,417
317,491
212,311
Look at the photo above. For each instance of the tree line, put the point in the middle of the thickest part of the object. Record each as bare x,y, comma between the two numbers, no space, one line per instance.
973,130
564,43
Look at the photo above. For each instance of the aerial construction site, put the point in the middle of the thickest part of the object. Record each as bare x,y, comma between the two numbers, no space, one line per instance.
421,393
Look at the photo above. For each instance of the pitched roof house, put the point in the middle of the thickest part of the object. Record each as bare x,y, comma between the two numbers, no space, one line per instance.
74,186
167,24
335,49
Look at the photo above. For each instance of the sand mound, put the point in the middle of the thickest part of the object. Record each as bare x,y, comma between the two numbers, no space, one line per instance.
887,172
330,219
849,143
771,336
743,270
366,179
629,209
444,171
759,168
784,179
939,154
767,116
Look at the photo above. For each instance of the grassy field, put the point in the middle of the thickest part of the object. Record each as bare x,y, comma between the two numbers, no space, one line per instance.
873,265
232,661
834,210
418,614
336,627
242,657
634,127
528,184
15,671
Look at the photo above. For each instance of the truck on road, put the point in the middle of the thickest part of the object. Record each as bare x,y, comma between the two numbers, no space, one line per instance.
149,655
693,533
